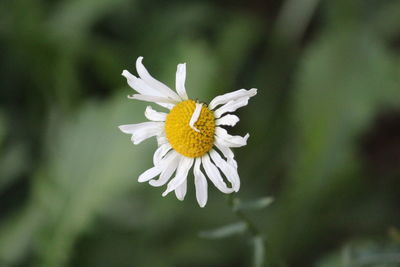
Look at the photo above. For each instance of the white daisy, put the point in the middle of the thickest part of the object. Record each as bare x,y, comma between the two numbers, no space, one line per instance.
190,134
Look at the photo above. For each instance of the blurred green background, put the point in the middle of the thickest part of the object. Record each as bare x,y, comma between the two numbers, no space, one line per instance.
325,131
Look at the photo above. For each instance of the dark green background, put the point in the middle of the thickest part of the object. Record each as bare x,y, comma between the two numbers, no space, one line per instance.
324,131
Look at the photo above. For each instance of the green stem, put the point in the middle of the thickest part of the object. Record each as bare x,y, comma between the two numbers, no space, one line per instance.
250,225
258,242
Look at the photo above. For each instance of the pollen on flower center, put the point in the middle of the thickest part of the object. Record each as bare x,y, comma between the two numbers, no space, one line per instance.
182,137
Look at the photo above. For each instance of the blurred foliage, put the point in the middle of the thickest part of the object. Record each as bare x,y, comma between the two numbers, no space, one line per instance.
364,253
325,132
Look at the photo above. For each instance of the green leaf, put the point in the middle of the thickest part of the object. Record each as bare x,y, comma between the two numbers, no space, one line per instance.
13,158
224,231
343,79
90,162
16,234
12,163
3,129
386,21
295,17
363,253
257,204
72,19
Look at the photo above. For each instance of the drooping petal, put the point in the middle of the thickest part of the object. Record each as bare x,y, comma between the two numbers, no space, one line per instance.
161,166
161,139
180,81
222,136
200,183
229,171
195,117
229,120
154,115
214,175
231,106
154,99
227,152
142,131
181,174
157,85
143,88
180,191
139,85
149,174
171,163
160,153
232,96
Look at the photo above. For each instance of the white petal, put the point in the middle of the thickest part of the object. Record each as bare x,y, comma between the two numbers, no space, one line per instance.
200,183
232,162
180,81
139,85
214,175
181,174
180,192
236,95
229,171
160,167
231,106
160,153
161,139
153,115
149,174
227,152
195,117
171,163
143,88
142,131
230,140
154,99
229,120
159,86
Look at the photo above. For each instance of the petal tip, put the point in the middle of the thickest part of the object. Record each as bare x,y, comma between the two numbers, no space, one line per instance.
123,128
139,61
141,180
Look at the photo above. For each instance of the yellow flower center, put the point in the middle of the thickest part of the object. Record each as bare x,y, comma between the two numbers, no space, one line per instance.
182,137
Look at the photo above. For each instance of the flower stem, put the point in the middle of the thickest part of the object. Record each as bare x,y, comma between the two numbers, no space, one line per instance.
239,213
257,240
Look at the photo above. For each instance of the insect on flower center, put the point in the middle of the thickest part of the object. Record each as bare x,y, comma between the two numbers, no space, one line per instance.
190,140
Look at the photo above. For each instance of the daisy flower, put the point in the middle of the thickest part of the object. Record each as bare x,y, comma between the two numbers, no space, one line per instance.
189,135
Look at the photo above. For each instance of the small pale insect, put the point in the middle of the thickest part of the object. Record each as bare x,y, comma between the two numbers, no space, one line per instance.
189,135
